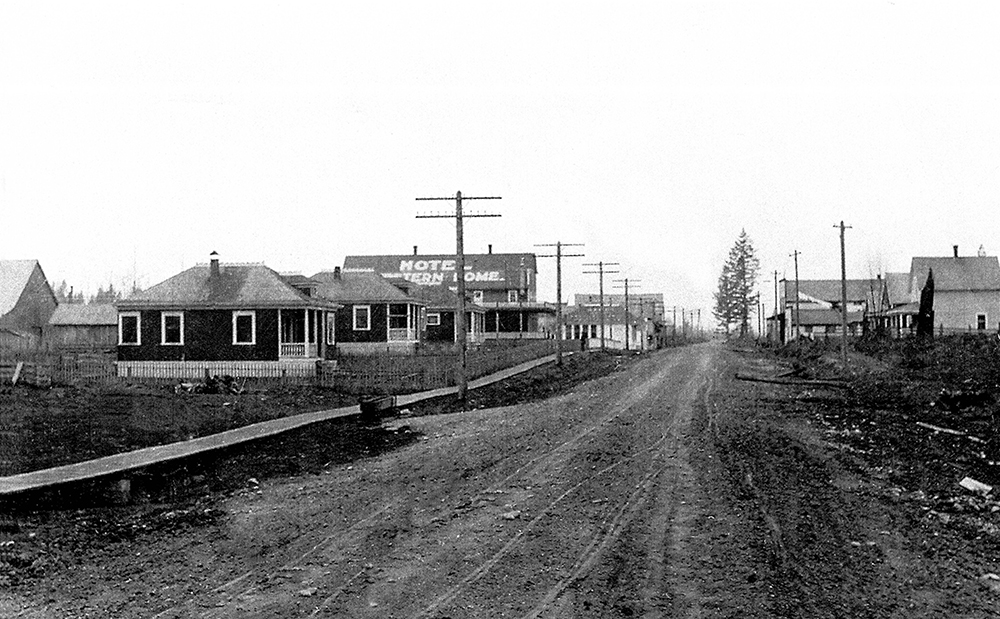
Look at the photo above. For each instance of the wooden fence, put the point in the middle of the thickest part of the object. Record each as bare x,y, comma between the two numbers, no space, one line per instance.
360,374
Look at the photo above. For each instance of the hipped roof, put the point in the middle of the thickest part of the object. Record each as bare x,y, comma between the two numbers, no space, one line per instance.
236,286
359,288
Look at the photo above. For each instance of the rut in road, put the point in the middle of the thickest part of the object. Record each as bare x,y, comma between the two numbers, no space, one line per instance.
597,476
616,518
339,542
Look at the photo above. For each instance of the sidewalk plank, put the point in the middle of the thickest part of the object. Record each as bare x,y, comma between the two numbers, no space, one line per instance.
148,456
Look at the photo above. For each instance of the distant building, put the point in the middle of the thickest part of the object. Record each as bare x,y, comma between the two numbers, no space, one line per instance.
644,303
76,326
966,292
818,312
633,332
502,284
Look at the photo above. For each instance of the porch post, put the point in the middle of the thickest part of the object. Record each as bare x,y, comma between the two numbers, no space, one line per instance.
321,343
280,333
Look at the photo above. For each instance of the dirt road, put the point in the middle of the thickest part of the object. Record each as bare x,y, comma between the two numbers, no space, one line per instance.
577,506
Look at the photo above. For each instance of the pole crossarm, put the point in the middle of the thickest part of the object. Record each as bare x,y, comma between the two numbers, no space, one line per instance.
559,315
628,323
460,328
601,273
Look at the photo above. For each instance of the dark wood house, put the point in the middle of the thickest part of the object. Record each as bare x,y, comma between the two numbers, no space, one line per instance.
237,319
375,316
26,303
442,307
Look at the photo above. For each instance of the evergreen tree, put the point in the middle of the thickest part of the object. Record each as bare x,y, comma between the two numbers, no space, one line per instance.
110,295
737,298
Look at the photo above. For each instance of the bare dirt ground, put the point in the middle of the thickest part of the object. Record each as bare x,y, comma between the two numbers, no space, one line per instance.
664,489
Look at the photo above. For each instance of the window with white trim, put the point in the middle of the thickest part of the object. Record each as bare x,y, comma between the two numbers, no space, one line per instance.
244,327
331,329
362,315
172,328
129,332
433,319
981,322
477,296
512,296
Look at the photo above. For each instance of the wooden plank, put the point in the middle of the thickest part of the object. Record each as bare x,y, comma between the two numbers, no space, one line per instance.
17,372
141,458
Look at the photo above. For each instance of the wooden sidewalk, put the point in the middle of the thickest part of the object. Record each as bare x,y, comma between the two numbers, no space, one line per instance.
120,464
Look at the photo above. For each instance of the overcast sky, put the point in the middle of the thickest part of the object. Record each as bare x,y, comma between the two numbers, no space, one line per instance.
137,137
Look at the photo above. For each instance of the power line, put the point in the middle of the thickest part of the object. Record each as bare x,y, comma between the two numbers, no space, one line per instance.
798,318
601,272
627,330
559,256
462,378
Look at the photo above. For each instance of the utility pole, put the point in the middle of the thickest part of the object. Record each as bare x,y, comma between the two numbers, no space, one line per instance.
776,336
843,296
627,325
559,256
462,379
674,322
600,272
798,323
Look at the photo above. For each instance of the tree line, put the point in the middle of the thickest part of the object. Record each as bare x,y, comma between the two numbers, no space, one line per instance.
68,294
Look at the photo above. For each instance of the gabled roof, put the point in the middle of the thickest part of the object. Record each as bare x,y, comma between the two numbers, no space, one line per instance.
78,314
359,288
967,273
298,280
236,286
14,276
898,287
828,290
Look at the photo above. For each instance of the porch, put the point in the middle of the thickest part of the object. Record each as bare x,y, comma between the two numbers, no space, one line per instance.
303,333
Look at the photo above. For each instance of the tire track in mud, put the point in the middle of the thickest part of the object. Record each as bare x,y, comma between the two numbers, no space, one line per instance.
667,483
616,520
336,547
339,541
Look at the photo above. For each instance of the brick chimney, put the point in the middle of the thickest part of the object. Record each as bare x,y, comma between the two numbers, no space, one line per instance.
955,249
489,248
213,265
336,272
414,250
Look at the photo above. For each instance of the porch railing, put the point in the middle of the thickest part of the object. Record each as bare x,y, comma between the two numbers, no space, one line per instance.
297,350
